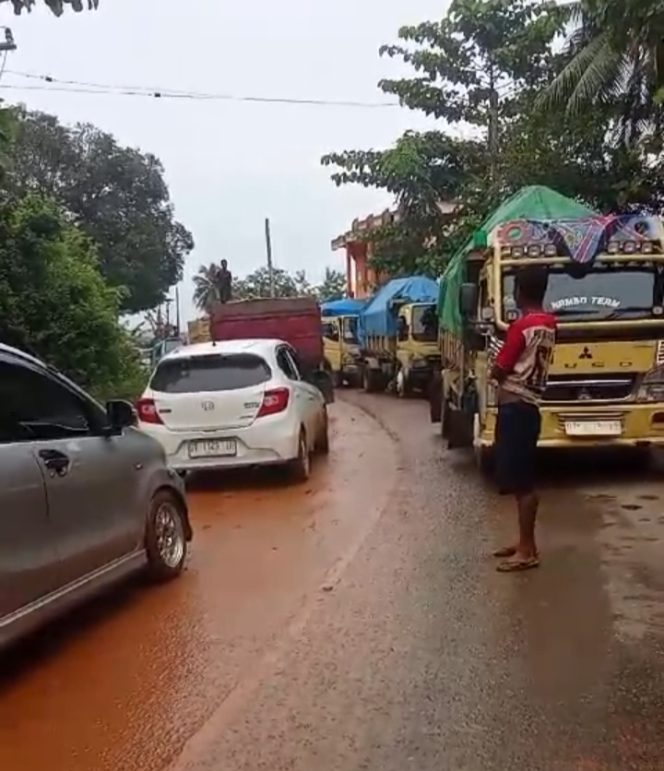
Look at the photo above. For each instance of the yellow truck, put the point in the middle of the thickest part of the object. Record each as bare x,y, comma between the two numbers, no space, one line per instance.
341,347
398,334
606,287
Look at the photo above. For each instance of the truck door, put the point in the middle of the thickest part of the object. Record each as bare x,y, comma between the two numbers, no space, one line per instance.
332,343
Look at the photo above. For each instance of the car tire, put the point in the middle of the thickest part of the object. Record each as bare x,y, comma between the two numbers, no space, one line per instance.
165,537
300,467
323,444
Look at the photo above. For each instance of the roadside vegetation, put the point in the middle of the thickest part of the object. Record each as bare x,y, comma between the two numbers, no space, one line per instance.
525,92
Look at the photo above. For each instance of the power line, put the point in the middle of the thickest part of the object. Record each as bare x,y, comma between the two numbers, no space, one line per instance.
84,87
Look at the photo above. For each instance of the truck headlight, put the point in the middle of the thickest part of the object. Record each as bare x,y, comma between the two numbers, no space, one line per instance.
652,386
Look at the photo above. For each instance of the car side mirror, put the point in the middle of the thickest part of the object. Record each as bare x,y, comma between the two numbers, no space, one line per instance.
468,300
120,415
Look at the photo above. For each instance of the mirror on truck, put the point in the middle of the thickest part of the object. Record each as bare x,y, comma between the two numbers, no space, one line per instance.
468,301
402,328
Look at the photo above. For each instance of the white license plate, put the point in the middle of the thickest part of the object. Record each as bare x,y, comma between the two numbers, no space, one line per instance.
212,448
593,428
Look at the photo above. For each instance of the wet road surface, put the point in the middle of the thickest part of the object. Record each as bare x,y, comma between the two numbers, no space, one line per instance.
357,623
124,683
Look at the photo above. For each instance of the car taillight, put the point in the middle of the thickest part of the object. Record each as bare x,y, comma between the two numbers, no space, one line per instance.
275,400
147,411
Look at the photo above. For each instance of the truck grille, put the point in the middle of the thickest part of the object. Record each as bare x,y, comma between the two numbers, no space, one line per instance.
598,389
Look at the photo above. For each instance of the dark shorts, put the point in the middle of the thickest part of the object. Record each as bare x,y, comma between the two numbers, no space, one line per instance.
517,431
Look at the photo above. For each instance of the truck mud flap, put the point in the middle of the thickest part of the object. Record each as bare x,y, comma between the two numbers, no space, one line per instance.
459,429
435,394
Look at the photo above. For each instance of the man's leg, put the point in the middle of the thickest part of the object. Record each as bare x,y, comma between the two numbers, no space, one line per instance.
527,506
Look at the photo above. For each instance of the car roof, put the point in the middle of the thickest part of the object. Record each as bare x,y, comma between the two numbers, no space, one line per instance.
258,346
17,353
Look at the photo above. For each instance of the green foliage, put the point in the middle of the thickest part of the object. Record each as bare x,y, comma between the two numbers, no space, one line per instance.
616,55
117,195
55,303
484,66
56,6
206,288
333,286
257,284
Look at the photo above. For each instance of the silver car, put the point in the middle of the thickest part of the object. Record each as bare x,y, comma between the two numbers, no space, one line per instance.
85,498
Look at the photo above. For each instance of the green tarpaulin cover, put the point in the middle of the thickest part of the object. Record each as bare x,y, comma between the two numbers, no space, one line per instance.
535,202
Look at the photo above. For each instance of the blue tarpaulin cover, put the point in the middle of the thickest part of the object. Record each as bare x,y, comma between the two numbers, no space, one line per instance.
379,317
345,307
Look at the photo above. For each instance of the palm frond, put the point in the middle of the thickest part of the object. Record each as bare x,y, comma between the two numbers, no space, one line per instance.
598,78
563,85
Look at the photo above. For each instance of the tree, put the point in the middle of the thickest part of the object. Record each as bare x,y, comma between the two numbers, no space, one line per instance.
485,65
206,287
55,303
616,54
117,195
56,6
333,286
257,284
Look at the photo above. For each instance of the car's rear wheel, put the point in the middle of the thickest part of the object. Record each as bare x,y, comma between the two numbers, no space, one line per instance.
300,467
166,540
323,444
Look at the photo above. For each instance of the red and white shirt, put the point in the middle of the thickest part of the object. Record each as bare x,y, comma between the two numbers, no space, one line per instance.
526,355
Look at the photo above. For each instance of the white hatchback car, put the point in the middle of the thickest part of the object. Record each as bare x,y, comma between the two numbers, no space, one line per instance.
234,403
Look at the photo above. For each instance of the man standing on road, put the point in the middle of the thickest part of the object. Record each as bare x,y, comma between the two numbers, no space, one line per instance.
521,371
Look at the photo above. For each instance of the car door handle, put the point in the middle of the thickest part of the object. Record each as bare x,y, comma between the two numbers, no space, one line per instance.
55,461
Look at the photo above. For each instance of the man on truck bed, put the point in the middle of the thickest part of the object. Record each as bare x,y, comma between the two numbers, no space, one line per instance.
521,370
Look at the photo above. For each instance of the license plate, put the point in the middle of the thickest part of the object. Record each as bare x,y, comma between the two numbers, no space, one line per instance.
212,448
593,428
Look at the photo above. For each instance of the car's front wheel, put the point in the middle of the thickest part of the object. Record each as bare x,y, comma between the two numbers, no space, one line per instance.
166,540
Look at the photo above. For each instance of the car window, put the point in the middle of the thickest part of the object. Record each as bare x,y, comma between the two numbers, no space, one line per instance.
210,373
287,365
294,365
35,407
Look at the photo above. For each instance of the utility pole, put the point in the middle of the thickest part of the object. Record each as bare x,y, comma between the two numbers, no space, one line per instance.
177,307
268,247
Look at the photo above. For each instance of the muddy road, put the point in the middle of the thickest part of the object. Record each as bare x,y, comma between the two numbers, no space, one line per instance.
356,622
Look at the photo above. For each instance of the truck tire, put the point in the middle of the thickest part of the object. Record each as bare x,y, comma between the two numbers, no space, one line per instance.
372,380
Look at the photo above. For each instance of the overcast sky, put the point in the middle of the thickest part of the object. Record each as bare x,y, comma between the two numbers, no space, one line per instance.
231,164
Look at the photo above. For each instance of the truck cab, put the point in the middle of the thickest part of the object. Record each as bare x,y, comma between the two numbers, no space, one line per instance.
606,382
341,349
416,346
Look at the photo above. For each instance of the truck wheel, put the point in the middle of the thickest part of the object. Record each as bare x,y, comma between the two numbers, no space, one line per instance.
459,429
371,380
444,415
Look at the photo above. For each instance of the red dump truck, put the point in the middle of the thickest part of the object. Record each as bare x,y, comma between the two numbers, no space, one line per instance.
295,320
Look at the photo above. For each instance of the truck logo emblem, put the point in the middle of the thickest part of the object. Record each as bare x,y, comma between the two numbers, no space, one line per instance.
207,406
585,354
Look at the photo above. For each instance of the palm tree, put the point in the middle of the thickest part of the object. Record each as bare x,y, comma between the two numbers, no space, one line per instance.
616,56
206,288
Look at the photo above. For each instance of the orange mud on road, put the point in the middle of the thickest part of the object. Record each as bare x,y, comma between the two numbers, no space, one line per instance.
123,683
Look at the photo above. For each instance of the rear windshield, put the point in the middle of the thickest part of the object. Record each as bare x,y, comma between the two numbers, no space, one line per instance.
210,373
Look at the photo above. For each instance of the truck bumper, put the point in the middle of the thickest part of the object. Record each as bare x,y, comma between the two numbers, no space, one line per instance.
641,425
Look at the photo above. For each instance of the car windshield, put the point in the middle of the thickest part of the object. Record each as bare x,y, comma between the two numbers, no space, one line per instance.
210,373
350,329
425,323
608,292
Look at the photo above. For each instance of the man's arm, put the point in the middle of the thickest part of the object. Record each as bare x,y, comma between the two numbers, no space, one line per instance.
509,354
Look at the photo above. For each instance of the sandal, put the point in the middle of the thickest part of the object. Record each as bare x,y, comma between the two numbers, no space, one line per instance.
508,551
517,565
